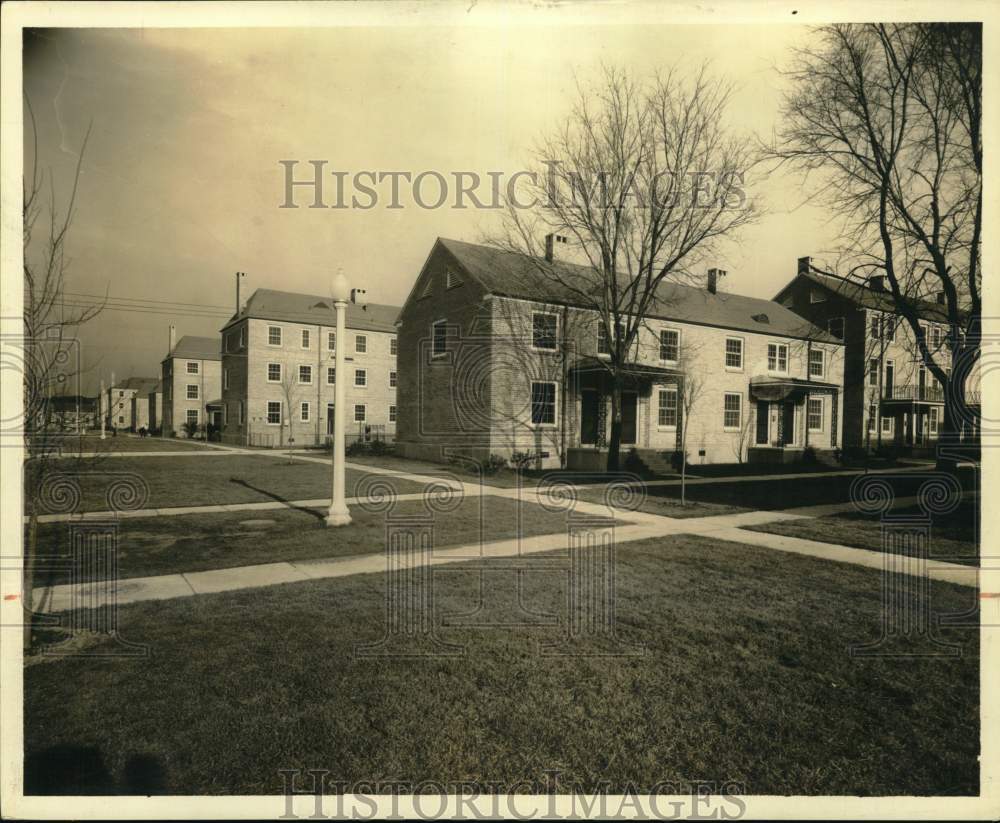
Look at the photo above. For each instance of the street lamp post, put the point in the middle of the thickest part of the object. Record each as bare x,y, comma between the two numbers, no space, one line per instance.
338,514
100,408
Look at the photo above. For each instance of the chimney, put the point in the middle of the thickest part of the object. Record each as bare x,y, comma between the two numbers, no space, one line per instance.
876,282
805,265
940,297
714,276
550,242
172,339
355,293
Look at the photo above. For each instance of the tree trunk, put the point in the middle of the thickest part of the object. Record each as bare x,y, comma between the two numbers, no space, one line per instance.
30,550
615,443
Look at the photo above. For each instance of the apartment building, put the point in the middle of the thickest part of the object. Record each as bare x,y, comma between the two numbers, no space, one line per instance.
278,371
890,396
126,404
191,378
498,357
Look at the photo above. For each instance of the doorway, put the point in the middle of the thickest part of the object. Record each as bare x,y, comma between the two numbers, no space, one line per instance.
629,418
329,418
589,417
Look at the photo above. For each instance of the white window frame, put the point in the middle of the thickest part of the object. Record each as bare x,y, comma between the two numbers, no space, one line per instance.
331,337
187,417
305,338
364,413
393,346
302,382
932,421
725,353
280,336
886,423
444,351
725,411
393,379
555,404
188,368
667,390
872,415
280,371
822,415
362,340
869,374
822,363
187,391
660,344
329,370
777,359
392,413
363,373
304,411
267,413
555,334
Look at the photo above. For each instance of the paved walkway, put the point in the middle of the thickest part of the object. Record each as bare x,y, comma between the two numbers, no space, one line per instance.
638,526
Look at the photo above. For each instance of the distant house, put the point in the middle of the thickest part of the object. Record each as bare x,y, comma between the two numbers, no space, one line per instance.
278,373
74,412
191,376
890,397
128,403
496,357
155,405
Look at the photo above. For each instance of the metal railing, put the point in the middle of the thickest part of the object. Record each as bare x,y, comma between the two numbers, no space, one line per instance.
931,394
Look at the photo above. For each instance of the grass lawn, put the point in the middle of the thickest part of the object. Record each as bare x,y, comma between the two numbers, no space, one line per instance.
746,677
212,480
130,443
954,537
184,543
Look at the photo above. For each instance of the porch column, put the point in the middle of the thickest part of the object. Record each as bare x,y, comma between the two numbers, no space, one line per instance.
833,418
805,417
679,383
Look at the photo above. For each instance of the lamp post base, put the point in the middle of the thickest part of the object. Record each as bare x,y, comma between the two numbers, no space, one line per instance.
338,516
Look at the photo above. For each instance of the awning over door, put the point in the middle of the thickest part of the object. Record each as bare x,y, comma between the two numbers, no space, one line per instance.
778,389
594,373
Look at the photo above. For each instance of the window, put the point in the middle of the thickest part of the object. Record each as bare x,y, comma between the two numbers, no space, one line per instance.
668,407
239,409
777,357
331,376
273,412
543,403
873,372
360,343
889,326
936,337
243,336
602,337
543,330
392,414
836,327
734,353
816,296
360,377
225,378
732,414
192,368
451,279
392,380
304,412
274,335
122,419
934,420
274,372
817,366
306,375
305,338
876,332
670,344
359,413
192,391
872,413
428,288
192,416
331,341
439,334
886,425
393,346
814,414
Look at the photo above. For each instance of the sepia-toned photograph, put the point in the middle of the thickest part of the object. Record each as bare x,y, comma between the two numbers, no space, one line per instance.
498,410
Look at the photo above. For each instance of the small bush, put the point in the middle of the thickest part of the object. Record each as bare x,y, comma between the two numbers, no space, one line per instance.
520,461
493,464
809,456
190,429
677,460
354,448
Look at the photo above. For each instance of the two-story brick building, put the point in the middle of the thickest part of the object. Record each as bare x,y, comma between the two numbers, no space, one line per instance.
191,378
890,396
497,357
127,403
278,372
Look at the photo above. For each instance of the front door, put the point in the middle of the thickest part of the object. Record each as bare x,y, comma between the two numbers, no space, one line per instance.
763,422
329,418
788,424
589,417
629,414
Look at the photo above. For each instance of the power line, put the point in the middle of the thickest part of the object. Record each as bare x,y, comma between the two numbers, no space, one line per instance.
146,300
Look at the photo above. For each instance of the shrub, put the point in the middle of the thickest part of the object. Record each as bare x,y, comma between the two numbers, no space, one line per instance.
377,448
355,447
190,428
520,460
677,460
492,464
809,456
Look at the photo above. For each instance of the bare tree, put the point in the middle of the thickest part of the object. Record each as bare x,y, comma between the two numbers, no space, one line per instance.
889,117
689,392
50,354
643,179
289,391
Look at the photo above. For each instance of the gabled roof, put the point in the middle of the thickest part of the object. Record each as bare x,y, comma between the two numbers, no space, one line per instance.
866,297
197,348
509,274
141,385
311,309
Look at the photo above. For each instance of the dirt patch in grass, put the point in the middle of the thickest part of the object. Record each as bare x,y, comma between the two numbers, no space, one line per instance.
744,675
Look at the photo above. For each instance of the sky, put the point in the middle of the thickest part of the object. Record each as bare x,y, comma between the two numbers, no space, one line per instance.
181,181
